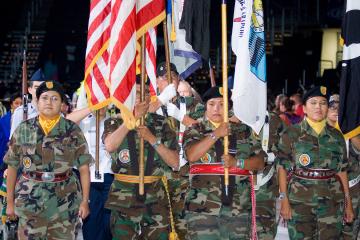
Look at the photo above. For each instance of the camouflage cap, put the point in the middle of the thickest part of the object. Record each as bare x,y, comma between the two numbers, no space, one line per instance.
335,98
38,76
161,69
318,91
50,86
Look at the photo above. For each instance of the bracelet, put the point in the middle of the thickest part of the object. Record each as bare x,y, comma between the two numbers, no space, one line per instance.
347,196
241,163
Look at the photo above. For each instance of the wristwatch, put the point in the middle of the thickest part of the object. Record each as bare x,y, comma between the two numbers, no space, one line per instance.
282,195
212,136
156,144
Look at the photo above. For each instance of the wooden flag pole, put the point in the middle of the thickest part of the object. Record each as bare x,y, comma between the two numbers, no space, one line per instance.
225,84
25,87
142,119
167,51
97,146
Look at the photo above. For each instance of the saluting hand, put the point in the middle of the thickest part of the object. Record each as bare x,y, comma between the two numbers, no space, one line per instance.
223,130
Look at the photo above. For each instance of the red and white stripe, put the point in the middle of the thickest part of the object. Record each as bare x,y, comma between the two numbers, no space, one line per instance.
97,57
122,50
151,49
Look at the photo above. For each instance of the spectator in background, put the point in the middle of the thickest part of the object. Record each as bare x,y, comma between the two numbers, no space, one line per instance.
286,112
5,123
298,108
277,102
333,113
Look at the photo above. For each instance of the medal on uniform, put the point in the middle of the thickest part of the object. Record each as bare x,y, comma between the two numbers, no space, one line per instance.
206,158
124,156
26,162
304,159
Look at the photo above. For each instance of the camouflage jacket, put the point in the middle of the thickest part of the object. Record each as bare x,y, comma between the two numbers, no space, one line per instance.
121,193
194,108
301,147
62,149
205,191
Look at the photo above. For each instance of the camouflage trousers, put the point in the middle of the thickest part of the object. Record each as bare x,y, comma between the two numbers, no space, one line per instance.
351,230
60,226
224,226
266,210
315,220
178,187
146,221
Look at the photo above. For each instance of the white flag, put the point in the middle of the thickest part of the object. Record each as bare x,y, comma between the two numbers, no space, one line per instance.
248,44
182,54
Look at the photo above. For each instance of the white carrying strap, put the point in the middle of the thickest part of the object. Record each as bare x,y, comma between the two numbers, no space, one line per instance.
181,135
265,179
265,147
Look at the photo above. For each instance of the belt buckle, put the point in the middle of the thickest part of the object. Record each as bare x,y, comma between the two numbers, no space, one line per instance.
48,176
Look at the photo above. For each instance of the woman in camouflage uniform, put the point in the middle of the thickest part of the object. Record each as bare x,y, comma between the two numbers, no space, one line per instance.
312,155
44,150
210,213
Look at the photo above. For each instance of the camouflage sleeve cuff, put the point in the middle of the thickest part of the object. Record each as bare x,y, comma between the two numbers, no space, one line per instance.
84,159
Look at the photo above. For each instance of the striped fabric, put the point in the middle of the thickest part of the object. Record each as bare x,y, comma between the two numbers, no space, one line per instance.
150,54
110,67
96,70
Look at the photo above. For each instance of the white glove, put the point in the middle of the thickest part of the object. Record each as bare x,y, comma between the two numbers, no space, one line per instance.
168,93
82,100
174,112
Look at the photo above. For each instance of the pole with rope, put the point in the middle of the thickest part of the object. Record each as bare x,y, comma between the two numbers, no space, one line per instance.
225,84
142,119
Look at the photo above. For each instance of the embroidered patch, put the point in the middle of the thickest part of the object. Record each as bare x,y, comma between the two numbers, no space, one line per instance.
323,90
124,156
49,85
304,159
27,162
206,158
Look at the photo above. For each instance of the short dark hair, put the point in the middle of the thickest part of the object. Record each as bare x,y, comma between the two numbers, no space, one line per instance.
14,96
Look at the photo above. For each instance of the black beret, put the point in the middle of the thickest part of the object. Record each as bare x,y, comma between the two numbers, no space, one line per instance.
215,92
161,69
38,76
319,91
50,86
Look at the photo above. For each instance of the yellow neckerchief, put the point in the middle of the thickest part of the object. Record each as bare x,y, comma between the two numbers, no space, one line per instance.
48,124
317,126
214,124
337,126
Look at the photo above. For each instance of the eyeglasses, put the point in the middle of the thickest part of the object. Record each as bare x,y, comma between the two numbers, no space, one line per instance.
51,98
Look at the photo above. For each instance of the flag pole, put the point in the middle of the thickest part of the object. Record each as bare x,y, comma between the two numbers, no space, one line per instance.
142,119
167,51
25,87
97,151
225,84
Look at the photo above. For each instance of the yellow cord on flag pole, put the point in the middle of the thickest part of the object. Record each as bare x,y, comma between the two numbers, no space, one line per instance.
225,84
142,120
173,33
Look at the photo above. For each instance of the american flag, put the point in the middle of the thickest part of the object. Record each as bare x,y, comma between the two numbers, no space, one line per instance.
96,61
114,28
